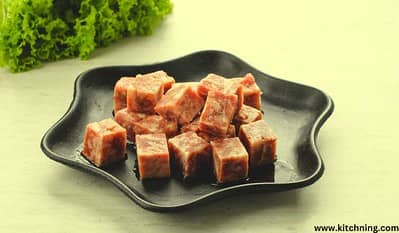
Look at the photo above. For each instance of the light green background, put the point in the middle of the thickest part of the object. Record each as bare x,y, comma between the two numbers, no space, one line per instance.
347,48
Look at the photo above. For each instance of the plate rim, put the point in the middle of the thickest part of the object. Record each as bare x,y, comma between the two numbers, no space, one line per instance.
320,120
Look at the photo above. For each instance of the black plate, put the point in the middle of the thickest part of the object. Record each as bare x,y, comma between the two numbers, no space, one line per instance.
294,111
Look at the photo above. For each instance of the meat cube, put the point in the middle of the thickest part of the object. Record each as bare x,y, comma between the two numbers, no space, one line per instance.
120,91
104,143
193,85
180,103
260,142
236,88
211,82
152,156
218,112
127,119
231,133
156,124
247,114
251,91
214,82
191,154
144,94
230,160
167,80
192,126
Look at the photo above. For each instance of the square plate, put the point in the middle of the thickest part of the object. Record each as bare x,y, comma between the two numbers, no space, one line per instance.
294,111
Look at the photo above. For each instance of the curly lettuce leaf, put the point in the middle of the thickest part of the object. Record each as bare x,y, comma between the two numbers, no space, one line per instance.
37,31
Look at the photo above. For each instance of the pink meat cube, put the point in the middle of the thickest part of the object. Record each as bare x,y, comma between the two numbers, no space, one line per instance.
104,143
218,112
236,88
193,85
260,142
167,80
194,127
247,114
191,154
127,119
180,103
211,82
152,156
120,92
251,91
231,133
144,93
156,124
230,160
214,82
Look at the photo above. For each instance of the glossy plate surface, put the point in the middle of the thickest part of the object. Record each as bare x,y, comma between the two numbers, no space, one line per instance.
294,111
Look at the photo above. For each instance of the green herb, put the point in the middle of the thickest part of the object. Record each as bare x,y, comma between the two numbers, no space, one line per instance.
36,31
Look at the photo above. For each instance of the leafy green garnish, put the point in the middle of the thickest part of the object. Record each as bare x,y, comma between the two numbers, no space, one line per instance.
36,31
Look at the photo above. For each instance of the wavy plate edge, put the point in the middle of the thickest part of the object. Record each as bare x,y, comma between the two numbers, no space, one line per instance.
320,120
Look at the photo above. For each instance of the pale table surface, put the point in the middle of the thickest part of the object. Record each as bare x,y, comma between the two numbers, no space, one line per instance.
349,49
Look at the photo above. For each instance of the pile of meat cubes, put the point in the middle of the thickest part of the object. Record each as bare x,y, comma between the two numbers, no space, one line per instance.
212,126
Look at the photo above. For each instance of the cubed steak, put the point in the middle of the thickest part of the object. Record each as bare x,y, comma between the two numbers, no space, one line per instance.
211,82
230,160
231,133
193,85
236,88
156,124
251,91
152,156
191,154
218,112
194,127
104,143
120,92
144,94
247,114
180,103
214,82
260,142
167,80
127,119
